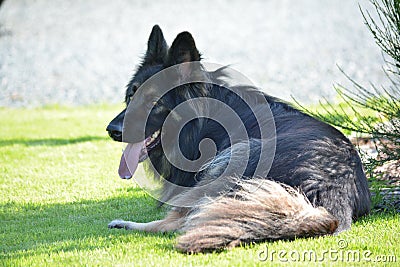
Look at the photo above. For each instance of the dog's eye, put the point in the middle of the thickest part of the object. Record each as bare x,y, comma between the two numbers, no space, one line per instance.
128,98
134,88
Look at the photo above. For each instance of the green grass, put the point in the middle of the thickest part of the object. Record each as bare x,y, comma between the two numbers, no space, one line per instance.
336,112
59,189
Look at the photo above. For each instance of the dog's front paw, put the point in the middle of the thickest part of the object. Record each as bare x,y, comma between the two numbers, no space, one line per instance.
119,224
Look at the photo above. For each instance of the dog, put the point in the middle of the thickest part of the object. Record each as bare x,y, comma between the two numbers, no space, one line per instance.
314,186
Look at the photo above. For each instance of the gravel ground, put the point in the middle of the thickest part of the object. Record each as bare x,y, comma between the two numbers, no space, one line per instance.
84,51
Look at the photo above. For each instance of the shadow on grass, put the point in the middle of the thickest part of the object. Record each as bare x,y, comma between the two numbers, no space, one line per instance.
33,229
51,141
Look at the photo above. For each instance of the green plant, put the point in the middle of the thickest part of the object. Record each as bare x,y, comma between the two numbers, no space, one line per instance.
375,111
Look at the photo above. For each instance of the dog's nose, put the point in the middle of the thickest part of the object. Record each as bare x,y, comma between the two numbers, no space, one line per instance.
115,132
114,128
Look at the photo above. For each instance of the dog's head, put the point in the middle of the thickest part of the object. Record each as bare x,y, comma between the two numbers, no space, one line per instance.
138,101
153,62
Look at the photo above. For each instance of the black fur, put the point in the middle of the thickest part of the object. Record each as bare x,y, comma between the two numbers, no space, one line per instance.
310,155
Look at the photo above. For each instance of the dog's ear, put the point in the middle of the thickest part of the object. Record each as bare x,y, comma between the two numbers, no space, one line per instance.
157,47
182,50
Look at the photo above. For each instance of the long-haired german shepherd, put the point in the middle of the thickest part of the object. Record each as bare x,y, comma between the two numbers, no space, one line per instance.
314,186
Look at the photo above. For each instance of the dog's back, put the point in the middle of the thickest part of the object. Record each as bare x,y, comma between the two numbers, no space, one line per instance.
322,162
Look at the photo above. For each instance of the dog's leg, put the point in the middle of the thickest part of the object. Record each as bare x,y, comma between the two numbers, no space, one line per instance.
172,222
128,225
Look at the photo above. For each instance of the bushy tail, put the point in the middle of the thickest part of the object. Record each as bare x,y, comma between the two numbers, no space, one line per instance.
258,210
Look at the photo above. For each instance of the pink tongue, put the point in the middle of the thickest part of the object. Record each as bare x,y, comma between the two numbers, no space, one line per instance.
130,160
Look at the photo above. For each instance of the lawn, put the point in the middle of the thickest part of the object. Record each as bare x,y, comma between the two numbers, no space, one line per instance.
60,188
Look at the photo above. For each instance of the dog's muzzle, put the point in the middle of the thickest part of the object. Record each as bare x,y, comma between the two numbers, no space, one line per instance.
114,128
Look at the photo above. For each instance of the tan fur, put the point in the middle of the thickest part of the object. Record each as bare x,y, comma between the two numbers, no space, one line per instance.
259,210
